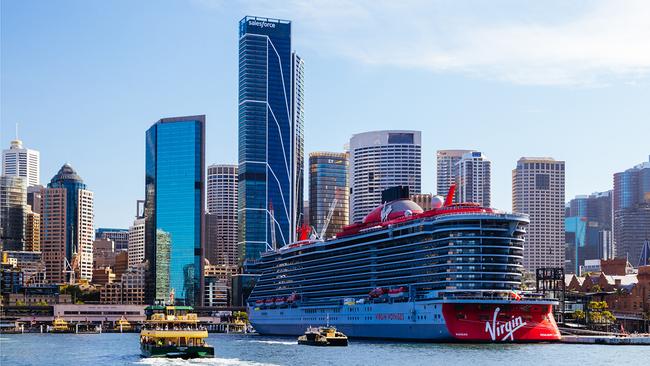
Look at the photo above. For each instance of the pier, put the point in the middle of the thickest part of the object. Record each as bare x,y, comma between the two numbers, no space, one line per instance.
636,340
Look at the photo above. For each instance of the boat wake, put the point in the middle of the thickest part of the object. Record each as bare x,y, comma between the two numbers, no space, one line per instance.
202,361
276,342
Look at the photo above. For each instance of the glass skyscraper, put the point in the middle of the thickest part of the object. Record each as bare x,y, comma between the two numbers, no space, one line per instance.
631,207
328,180
174,205
270,136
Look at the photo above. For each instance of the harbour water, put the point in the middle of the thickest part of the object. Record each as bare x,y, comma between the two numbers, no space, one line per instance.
253,350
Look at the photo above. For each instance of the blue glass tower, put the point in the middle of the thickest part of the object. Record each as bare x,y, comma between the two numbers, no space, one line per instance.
270,135
69,179
174,205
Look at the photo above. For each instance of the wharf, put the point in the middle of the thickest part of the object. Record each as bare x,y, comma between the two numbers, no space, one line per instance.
640,340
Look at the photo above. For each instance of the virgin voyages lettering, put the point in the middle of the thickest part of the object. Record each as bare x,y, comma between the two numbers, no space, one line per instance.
505,329
389,316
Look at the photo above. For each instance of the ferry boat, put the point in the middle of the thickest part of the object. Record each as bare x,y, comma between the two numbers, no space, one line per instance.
59,325
452,273
122,325
173,332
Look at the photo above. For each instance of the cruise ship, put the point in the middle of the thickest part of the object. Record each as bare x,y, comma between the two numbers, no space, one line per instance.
449,274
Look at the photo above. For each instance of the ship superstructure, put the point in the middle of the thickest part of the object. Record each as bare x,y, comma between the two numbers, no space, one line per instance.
450,273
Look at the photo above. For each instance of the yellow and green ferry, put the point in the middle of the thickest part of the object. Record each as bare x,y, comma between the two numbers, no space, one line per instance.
173,332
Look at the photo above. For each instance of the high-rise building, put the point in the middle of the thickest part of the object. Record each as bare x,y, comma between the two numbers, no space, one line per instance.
67,222
174,209
379,160
119,236
423,200
631,211
221,223
298,119
473,178
103,253
13,211
32,230
446,170
271,110
136,242
18,161
328,181
538,190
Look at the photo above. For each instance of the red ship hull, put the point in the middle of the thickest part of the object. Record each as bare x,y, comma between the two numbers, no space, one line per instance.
506,322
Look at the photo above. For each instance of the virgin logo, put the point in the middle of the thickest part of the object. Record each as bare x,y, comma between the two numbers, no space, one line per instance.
503,330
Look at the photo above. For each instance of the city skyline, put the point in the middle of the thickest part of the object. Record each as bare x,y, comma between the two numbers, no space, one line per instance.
502,109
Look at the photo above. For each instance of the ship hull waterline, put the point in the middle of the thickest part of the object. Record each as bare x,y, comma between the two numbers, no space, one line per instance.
441,322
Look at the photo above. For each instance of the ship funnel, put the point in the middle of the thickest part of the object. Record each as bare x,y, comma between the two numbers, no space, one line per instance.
450,195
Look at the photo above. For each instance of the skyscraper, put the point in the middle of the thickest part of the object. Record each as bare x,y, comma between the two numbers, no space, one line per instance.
538,190
473,178
221,240
631,201
67,222
379,160
174,209
13,211
270,135
18,161
328,180
446,170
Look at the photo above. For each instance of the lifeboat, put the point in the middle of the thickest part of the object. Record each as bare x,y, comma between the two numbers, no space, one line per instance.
397,292
279,301
377,292
259,303
293,298
268,302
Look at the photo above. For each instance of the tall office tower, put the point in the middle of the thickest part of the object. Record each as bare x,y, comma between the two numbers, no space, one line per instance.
446,170
119,236
473,178
136,242
221,241
32,230
538,190
21,162
270,136
298,116
67,222
328,180
174,209
13,209
631,207
379,160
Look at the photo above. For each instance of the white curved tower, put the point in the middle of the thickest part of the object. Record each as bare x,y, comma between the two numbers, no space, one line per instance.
379,160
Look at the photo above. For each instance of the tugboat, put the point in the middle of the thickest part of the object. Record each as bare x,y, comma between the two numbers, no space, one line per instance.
173,332
323,336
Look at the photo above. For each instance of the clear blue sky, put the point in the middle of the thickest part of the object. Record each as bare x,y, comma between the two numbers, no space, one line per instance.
85,79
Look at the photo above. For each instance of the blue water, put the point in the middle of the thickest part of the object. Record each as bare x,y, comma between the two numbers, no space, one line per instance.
236,350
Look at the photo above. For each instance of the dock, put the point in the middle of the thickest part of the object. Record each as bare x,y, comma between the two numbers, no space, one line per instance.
640,340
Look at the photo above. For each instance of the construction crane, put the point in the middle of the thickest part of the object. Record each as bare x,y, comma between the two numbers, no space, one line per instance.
328,218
